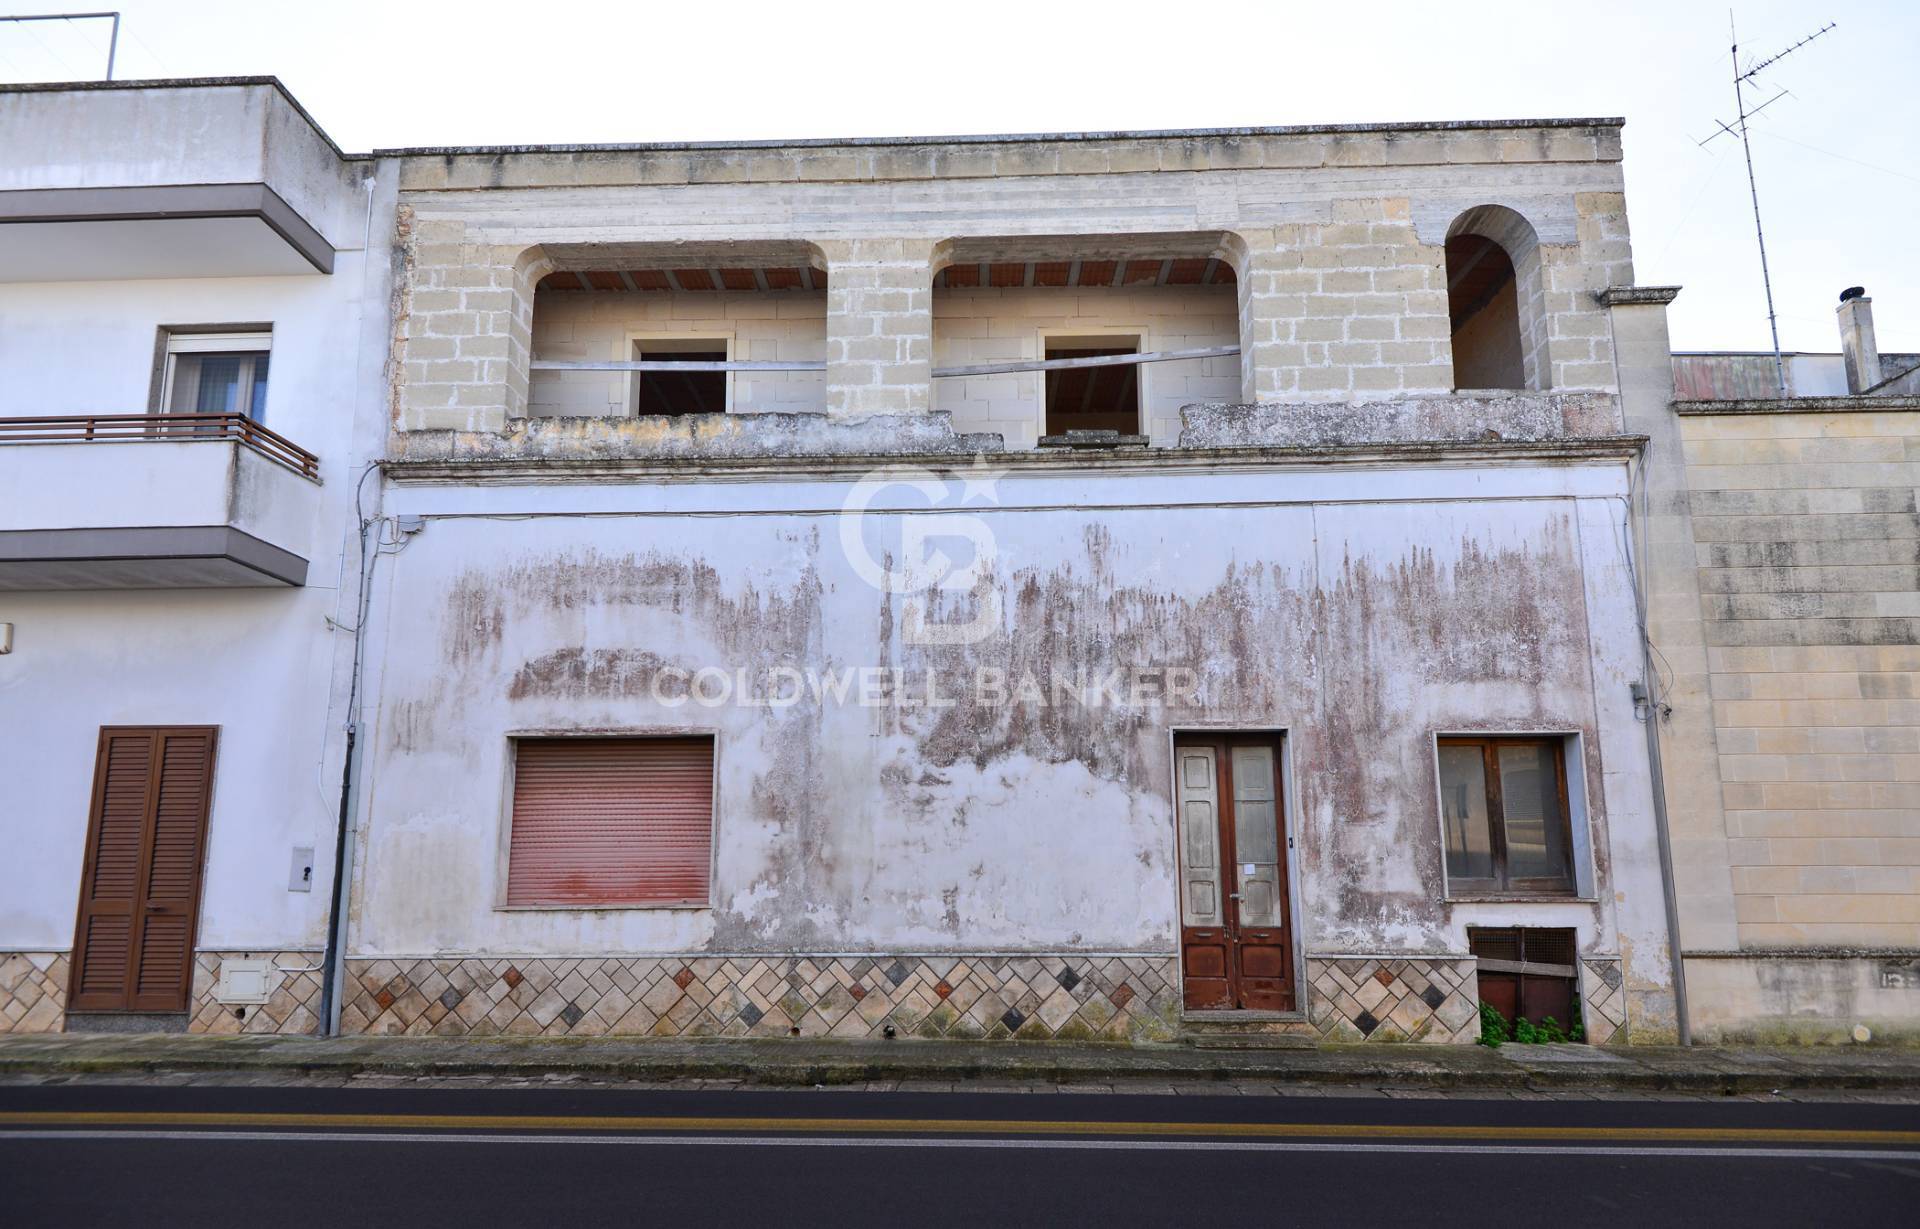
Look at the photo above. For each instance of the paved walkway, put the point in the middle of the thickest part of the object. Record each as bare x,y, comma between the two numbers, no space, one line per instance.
1564,1068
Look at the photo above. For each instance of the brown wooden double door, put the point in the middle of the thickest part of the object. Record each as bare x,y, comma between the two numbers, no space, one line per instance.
140,886
1235,950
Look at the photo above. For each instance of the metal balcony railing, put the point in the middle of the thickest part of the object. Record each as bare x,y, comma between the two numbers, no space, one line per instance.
129,428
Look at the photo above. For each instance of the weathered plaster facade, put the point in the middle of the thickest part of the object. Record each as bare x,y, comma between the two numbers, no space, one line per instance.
1324,538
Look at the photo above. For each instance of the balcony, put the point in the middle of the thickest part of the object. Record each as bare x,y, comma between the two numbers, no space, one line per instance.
153,501
223,178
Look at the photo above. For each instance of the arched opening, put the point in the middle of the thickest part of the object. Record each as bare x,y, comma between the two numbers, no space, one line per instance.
1092,340
673,330
1494,301
1484,309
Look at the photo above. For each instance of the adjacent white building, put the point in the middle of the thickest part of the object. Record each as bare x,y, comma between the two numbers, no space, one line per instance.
194,290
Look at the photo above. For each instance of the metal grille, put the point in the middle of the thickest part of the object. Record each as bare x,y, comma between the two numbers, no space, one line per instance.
611,821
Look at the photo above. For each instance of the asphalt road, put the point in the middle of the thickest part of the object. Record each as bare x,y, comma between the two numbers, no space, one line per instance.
94,1154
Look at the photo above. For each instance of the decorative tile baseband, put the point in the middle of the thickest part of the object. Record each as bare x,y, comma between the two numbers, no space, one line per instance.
1381,999
33,992
1603,1000
1040,998
293,995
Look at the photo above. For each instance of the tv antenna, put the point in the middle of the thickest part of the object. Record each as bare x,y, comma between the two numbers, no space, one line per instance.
1742,79
113,40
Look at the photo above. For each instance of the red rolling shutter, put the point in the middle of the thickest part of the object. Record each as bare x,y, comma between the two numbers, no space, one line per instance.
611,821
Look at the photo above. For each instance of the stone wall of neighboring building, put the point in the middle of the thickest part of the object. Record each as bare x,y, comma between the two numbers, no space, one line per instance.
1808,547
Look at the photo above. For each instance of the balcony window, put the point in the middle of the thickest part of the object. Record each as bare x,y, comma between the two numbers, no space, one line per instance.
217,373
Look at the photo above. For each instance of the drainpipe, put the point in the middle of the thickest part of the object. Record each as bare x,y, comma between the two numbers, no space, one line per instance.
1651,714
333,963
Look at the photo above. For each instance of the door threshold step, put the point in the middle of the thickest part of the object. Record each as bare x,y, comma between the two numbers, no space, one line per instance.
126,1022
1250,1041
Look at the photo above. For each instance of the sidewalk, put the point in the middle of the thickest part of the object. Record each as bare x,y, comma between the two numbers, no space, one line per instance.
1701,1070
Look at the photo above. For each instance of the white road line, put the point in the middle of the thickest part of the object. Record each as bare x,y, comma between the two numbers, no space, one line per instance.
1055,1145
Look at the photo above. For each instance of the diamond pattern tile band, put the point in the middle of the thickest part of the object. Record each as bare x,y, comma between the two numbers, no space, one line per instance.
1039,998
1112,998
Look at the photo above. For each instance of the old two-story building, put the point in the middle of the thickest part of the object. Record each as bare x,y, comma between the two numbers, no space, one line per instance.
1110,586
193,305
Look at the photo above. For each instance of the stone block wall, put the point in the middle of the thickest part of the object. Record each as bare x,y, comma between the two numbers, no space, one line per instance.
1356,304
462,328
879,325
1808,543
1337,237
580,325
988,325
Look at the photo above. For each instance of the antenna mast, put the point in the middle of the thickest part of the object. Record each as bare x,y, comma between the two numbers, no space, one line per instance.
1740,81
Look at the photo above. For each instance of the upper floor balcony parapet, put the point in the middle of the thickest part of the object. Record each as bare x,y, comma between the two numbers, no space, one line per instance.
214,177
168,501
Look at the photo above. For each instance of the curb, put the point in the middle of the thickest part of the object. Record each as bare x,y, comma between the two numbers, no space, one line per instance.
1029,1064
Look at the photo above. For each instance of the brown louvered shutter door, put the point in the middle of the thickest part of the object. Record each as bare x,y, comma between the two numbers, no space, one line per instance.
163,951
611,821
140,888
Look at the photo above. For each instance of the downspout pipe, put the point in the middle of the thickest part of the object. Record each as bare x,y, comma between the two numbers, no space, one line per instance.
333,963
1652,712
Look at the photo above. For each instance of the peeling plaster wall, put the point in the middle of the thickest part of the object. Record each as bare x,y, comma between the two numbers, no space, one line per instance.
1362,611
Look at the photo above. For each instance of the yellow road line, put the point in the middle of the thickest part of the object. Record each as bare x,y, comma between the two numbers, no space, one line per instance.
954,1126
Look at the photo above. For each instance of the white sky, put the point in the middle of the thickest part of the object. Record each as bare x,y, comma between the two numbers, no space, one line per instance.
1836,159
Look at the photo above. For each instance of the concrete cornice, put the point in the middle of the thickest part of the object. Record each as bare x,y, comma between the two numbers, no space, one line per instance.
510,471
1626,296
1385,130
1015,138
1796,405
185,83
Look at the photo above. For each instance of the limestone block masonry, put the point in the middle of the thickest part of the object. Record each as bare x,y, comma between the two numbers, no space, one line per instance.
1808,558
1336,237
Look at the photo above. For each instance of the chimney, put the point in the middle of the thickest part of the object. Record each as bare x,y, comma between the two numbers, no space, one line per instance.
1857,346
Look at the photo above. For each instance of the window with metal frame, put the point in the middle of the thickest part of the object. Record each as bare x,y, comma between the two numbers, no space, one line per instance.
611,822
1503,804
216,373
